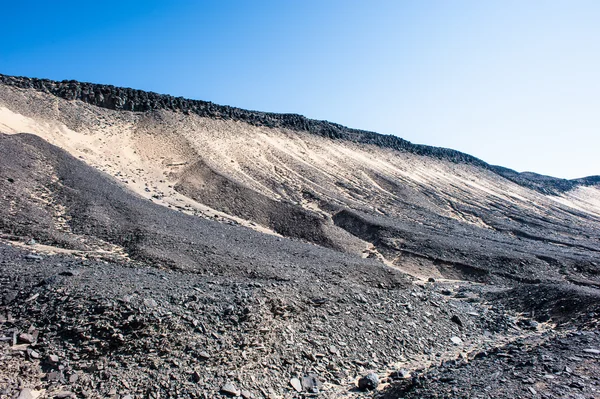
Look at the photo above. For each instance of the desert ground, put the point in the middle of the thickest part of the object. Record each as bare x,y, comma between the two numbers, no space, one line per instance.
158,247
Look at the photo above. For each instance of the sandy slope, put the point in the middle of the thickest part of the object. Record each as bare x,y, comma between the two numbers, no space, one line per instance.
227,304
110,146
150,152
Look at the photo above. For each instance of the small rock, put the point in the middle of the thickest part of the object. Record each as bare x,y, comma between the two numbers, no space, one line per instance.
73,378
431,280
32,298
577,384
592,351
10,296
34,354
53,359
533,391
311,383
29,393
196,377
446,292
151,303
26,338
530,324
64,395
568,370
369,382
69,273
296,384
204,355
400,374
456,340
246,394
230,389
320,301
33,257
457,320
54,376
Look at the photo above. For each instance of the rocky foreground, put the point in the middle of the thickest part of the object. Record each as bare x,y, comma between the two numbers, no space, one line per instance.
76,327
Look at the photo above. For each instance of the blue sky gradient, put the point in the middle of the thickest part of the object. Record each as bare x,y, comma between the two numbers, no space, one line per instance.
515,83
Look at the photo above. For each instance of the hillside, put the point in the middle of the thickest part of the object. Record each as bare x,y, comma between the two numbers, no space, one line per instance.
202,244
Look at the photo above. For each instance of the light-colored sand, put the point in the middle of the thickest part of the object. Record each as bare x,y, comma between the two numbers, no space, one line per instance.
114,148
584,199
147,153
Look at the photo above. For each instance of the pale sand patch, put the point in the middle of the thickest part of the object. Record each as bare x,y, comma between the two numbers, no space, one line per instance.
584,199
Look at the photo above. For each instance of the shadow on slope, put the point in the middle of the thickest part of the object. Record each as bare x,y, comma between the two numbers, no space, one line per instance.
59,200
564,304
454,250
201,183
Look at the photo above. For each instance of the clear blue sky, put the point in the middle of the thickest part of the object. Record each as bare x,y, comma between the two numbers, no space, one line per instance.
516,83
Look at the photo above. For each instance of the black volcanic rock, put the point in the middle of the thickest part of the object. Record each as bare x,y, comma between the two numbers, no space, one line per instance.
369,382
119,98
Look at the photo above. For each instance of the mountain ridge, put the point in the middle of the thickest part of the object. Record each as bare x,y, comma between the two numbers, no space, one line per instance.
427,215
165,254
119,98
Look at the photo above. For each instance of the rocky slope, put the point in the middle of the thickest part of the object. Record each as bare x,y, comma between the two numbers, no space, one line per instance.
162,247
118,98
425,210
